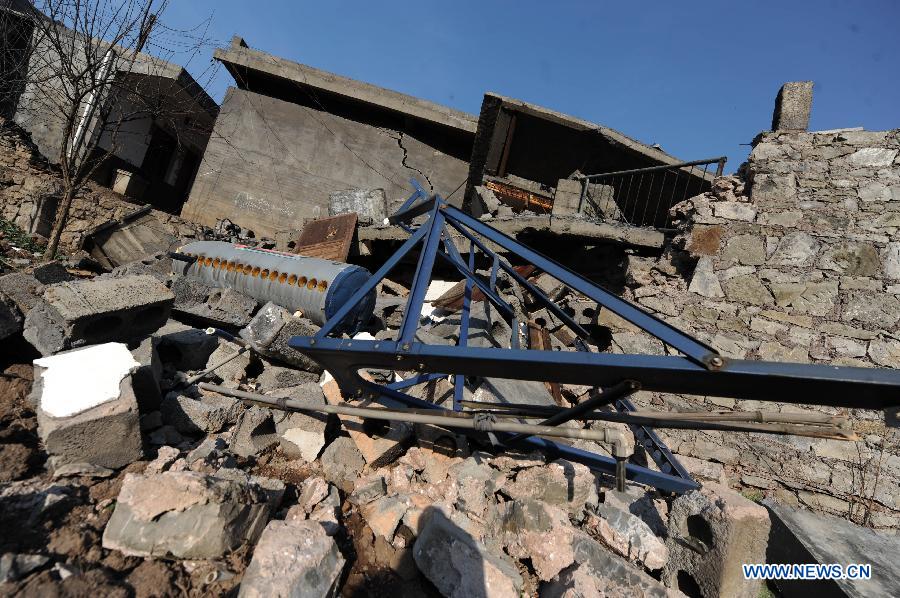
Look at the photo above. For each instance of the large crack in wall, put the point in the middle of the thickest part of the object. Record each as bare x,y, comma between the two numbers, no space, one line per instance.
403,161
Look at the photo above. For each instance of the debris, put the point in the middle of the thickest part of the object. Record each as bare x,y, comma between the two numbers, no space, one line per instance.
459,565
16,566
253,433
86,407
712,532
327,238
293,558
271,329
183,347
205,414
11,319
383,515
302,434
232,361
128,239
210,305
342,462
627,535
97,311
564,484
185,514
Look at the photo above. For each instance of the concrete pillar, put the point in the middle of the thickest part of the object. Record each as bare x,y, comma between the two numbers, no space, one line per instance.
792,106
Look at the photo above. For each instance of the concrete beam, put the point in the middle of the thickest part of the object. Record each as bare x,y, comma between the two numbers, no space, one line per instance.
303,75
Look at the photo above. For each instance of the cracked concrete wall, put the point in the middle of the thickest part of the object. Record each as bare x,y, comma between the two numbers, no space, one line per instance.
270,163
800,265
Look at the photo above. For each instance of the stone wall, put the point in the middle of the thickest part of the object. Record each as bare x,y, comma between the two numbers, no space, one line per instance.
30,188
797,260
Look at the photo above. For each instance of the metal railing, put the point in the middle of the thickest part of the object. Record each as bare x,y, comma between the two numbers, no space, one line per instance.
644,196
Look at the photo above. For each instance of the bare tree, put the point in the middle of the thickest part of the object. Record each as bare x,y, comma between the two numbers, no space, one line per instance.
81,70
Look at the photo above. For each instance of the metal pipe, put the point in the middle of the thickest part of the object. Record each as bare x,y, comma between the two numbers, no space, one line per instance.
610,436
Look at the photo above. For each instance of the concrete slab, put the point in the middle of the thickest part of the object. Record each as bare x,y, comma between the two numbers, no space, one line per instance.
87,411
97,311
806,537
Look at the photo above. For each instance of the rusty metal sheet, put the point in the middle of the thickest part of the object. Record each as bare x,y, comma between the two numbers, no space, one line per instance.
539,340
328,238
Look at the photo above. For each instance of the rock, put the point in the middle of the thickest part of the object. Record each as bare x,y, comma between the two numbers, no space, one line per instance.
87,470
312,491
11,319
253,433
532,529
270,330
210,305
747,289
875,309
597,572
183,347
383,515
851,259
275,377
342,462
368,489
704,281
293,558
568,485
97,311
885,353
745,249
712,532
627,535
792,106
814,298
379,442
211,448
477,483
890,256
146,378
165,456
460,566
795,249
734,210
185,514
302,434
87,411
207,414
235,363
873,157
16,566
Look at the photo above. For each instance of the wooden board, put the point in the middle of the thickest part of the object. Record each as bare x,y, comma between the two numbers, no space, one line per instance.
328,238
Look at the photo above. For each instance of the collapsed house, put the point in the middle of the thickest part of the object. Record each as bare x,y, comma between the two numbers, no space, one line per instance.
153,118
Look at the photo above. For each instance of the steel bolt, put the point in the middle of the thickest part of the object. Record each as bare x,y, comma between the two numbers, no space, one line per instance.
716,362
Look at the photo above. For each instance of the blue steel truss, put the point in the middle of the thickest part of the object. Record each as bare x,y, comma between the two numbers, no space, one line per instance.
698,370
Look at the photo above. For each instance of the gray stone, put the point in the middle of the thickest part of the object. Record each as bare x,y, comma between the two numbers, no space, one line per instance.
211,448
873,156
734,210
383,515
11,319
302,434
370,205
461,566
890,256
204,415
568,485
234,362
705,282
253,433
748,288
97,311
851,259
880,310
795,249
368,489
342,462
293,558
106,434
185,514
183,347
800,537
275,377
146,378
629,536
712,532
745,249
598,572
271,329
210,305
814,298
792,106
16,566
885,352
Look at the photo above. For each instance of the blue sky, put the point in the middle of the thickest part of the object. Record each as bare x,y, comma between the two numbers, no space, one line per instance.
698,78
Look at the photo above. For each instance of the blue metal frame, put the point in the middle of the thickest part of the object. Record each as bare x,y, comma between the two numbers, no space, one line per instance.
701,370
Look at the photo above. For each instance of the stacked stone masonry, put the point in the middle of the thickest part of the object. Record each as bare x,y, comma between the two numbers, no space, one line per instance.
796,260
